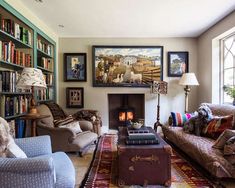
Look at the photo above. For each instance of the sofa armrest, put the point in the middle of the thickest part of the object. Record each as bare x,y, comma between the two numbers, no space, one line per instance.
86,125
16,172
35,146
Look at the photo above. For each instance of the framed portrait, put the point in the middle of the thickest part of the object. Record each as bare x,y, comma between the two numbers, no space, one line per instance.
126,66
177,63
75,67
74,97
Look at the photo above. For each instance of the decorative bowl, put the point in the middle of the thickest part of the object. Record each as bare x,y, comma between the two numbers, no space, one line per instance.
136,125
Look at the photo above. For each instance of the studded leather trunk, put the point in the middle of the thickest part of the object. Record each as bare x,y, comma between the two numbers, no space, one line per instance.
143,164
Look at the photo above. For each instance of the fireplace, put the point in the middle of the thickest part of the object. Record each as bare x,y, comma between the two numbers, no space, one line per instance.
125,107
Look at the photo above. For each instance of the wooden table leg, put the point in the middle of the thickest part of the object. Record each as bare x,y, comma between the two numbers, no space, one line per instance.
33,128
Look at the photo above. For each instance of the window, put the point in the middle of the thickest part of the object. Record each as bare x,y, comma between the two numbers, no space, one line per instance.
228,67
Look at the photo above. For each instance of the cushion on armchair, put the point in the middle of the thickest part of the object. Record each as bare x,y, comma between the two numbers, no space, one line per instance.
8,147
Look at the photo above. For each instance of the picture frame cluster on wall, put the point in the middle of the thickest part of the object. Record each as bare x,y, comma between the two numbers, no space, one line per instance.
75,70
126,66
177,63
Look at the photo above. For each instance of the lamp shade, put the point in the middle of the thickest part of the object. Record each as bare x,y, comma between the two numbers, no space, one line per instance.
188,79
31,77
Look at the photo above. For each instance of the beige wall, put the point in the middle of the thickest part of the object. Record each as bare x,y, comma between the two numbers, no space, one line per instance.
208,59
96,98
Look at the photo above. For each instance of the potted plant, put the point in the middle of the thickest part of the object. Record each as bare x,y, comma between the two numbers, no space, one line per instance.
231,92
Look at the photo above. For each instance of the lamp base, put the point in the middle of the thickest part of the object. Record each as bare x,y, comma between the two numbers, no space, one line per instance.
156,125
33,112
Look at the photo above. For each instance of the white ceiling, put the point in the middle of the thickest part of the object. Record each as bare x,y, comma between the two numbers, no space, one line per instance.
130,18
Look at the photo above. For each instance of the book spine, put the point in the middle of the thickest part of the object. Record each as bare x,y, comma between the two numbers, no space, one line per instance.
141,142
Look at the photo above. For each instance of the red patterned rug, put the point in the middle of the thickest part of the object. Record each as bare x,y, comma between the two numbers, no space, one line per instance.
103,169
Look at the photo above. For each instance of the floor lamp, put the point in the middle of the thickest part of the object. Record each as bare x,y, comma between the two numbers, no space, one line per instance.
31,78
188,79
158,87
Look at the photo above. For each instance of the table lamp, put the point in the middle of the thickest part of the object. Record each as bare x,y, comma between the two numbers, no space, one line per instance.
31,77
158,87
188,79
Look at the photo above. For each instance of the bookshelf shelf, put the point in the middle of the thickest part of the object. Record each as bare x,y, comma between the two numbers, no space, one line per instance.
17,42
12,65
15,116
43,54
43,69
41,101
15,93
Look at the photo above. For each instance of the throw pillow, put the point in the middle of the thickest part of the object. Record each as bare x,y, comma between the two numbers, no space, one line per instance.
60,122
73,126
220,142
13,151
229,150
217,125
178,119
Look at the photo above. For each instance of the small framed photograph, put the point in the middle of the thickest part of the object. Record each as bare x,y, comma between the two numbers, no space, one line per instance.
74,97
177,64
75,67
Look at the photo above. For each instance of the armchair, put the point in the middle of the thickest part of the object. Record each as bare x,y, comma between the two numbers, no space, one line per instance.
64,139
42,168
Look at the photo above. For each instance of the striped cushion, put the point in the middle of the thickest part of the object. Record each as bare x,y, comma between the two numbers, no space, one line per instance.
179,119
61,122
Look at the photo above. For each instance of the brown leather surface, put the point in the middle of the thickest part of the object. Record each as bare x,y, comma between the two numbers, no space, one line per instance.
200,149
143,164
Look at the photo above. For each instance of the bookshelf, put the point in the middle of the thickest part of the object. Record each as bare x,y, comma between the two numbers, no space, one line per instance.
22,44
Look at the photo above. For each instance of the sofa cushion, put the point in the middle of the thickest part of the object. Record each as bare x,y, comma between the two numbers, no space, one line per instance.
217,125
220,142
84,139
178,119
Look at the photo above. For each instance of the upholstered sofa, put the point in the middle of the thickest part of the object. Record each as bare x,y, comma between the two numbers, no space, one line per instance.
64,139
200,148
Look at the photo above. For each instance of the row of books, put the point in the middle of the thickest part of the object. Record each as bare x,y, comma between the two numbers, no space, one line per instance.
8,81
14,105
49,79
45,63
44,94
17,128
9,53
45,47
13,28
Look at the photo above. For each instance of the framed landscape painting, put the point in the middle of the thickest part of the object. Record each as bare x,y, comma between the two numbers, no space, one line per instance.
74,97
75,67
177,63
126,66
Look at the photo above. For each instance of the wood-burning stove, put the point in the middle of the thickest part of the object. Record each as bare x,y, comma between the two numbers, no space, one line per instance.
125,112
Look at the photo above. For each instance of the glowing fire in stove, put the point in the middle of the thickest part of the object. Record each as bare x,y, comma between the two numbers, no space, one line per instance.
125,116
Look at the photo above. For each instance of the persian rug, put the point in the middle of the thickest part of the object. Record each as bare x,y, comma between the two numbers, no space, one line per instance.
103,170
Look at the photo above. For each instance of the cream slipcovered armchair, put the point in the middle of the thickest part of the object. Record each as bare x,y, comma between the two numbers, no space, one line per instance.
64,139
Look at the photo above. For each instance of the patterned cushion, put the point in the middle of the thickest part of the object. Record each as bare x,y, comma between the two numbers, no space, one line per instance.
217,125
179,119
220,142
61,122
73,126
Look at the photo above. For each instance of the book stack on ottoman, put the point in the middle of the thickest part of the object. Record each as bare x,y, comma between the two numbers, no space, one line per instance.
141,163
141,136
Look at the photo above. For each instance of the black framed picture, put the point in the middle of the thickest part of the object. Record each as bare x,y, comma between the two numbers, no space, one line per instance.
126,66
75,67
74,97
177,64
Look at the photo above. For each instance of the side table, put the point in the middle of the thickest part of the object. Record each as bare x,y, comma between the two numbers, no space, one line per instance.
33,120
